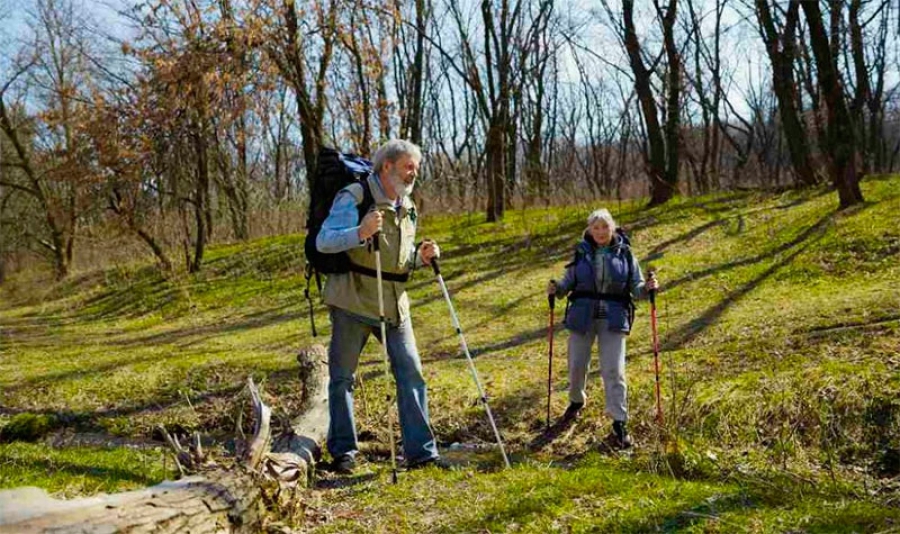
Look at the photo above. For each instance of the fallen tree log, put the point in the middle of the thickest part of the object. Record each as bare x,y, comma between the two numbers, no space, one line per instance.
230,496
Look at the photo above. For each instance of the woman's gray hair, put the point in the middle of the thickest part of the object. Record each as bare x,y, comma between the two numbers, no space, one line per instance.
604,215
394,150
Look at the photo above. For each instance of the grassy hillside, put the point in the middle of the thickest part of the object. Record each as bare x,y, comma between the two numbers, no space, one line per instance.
779,321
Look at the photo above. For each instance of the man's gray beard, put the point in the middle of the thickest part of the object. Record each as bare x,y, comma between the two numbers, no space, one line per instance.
402,188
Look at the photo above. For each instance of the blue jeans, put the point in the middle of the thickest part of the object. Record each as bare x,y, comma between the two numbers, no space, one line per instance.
348,337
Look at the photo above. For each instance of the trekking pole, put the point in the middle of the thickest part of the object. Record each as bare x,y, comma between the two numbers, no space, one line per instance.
387,361
551,299
465,347
653,329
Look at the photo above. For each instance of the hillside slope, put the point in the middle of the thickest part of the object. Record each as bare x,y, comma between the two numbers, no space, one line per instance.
779,323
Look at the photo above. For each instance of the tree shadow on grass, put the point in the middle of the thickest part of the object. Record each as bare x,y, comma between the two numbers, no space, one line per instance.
683,506
133,300
55,468
551,433
817,229
548,498
87,418
837,513
658,250
696,326
96,370
199,334
697,512
523,406
164,400
689,332
482,350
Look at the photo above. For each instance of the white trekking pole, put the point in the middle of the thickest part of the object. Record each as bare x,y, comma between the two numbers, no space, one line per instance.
387,361
465,347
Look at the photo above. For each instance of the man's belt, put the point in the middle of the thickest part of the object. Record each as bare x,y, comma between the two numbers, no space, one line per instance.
392,277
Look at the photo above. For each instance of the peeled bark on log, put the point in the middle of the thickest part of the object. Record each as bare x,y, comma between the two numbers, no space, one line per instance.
216,499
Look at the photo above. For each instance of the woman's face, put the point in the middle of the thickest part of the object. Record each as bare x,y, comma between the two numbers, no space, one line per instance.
600,232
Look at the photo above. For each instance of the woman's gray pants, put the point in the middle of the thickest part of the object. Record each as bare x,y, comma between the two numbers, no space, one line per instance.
612,367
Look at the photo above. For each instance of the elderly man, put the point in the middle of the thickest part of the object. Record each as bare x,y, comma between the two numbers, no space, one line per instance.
353,301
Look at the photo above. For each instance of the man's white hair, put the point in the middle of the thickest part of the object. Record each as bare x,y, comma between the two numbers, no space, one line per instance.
604,215
394,150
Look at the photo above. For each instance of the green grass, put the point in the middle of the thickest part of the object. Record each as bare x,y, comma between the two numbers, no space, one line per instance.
80,470
593,494
779,320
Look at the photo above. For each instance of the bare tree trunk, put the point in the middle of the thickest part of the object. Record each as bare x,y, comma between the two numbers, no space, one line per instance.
363,122
495,151
505,56
662,192
841,135
37,189
201,200
781,49
411,118
289,54
866,107
662,155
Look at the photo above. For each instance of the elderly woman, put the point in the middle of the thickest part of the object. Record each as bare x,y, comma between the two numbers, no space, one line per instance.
601,283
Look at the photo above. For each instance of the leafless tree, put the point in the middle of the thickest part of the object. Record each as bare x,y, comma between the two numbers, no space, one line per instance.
842,144
49,155
303,59
661,126
781,46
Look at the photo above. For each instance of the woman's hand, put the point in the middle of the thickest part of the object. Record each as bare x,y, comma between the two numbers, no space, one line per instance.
652,283
551,287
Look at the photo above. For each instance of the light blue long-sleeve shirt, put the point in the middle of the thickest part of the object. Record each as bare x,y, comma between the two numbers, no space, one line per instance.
340,231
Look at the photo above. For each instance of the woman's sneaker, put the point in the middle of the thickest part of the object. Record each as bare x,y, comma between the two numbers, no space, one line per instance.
619,436
572,411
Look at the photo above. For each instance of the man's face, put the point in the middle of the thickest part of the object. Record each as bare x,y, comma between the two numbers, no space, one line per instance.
402,174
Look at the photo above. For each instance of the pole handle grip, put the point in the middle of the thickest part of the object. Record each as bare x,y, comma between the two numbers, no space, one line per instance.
435,266
651,272
551,299
376,241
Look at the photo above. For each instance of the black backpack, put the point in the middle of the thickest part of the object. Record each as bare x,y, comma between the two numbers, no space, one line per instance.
334,171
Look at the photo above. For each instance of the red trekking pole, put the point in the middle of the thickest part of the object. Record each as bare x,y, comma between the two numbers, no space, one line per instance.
659,412
552,300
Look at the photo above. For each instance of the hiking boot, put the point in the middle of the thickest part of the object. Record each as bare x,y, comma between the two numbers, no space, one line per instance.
437,462
572,411
619,436
342,465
